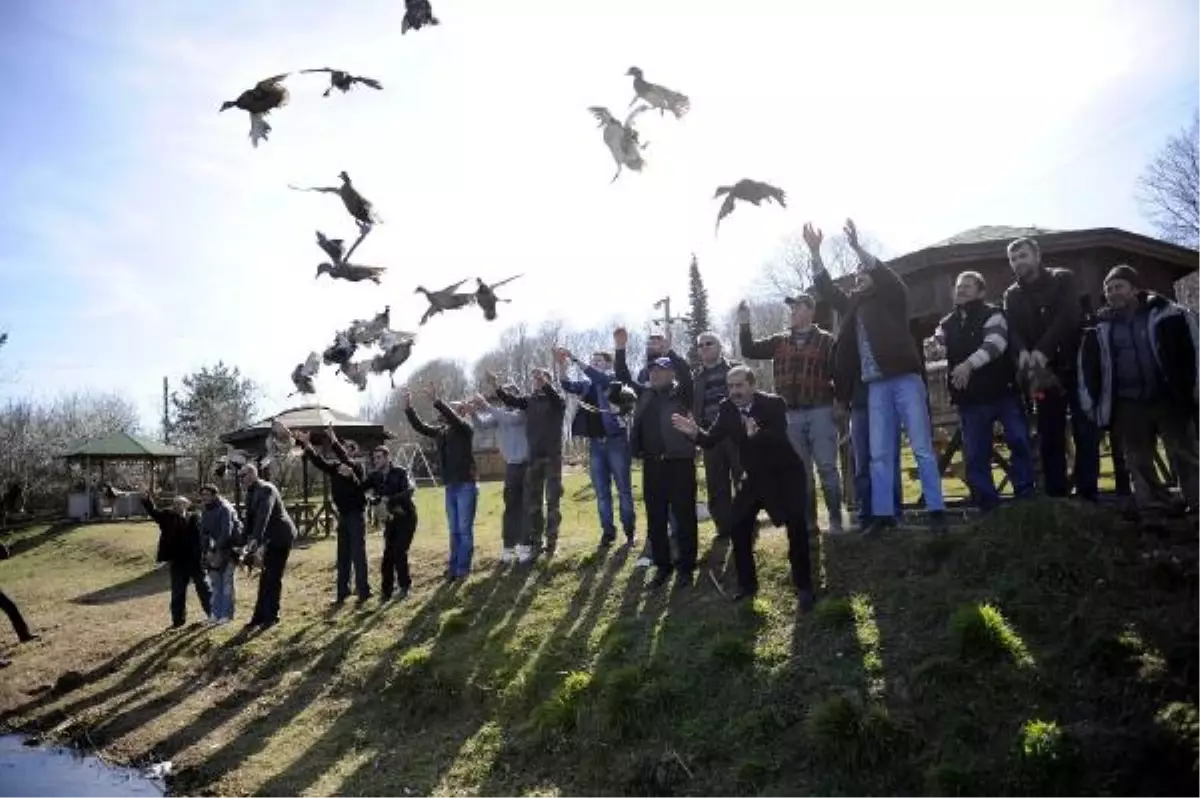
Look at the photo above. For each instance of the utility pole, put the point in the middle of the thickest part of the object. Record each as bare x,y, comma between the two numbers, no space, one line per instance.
166,416
667,319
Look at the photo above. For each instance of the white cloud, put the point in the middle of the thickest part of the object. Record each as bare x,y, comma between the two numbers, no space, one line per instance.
921,120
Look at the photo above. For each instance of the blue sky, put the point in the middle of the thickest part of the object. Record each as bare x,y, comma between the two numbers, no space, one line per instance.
142,236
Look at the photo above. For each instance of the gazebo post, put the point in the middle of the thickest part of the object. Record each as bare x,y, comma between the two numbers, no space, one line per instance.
304,483
325,502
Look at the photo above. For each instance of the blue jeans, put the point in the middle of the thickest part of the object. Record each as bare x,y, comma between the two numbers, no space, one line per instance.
813,433
978,421
860,447
610,461
223,593
893,403
461,498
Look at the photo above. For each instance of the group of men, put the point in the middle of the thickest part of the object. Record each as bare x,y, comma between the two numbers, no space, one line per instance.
1130,367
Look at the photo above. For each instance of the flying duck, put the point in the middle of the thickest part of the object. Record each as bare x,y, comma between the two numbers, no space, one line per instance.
485,296
302,375
397,347
265,97
356,372
445,299
368,332
417,14
340,352
622,139
656,96
343,81
358,205
751,191
351,272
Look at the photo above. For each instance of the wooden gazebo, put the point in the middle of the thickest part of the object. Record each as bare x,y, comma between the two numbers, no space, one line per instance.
308,418
120,447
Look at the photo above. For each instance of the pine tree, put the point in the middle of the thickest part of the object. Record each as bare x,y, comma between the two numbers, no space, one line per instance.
698,299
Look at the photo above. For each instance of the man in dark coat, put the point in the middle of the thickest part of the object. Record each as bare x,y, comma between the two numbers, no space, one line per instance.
668,472
1138,374
179,545
392,488
1044,331
773,479
14,615
271,532
347,483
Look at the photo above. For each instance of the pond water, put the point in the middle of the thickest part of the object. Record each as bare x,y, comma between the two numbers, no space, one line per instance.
33,770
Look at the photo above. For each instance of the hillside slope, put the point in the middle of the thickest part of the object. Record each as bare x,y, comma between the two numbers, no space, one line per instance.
1046,651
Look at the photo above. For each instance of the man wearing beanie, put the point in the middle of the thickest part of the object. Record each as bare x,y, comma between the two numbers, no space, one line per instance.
1043,313
1138,374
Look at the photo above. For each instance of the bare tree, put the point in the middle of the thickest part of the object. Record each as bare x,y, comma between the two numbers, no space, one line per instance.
33,436
766,318
1169,189
449,377
790,270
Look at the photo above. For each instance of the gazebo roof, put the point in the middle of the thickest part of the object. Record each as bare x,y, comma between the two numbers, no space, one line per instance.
308,417
122,445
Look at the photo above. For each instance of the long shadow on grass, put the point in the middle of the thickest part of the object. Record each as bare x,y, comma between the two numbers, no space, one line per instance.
28,543
256,735
548,717
155,651
148,583
418,688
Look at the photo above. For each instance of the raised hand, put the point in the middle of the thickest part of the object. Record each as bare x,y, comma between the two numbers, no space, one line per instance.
620,337
405,396
687,426
851,232
813,237
743,312
562,354
300,436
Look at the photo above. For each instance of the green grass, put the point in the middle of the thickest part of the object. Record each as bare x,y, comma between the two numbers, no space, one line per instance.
1046,650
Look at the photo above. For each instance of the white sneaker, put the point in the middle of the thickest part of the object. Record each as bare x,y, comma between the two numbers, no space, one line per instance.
506,556
643,562
524,554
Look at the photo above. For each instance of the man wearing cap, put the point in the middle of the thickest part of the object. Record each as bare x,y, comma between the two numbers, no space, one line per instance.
802,363
1137,372
982,382
1044,331
179,545
545,408
668,472
876,347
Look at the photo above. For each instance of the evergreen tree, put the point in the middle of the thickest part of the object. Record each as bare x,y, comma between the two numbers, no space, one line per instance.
698,300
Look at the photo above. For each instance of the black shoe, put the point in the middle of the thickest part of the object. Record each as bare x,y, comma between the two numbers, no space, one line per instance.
361,600
804,601
878,524
684,579
5,662
29,638
337,602
631,538
937,521
402,594
269,624
745,594
178,624
661,577
253,623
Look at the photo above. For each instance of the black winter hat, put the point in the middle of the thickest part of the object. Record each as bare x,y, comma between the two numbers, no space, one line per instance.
1124,272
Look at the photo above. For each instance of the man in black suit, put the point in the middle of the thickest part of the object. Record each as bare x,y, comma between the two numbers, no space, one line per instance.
774,478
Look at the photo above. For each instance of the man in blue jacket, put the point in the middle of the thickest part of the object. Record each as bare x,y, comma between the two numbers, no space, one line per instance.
608,442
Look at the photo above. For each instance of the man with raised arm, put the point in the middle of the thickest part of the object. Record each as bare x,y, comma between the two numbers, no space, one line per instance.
455,440
876,345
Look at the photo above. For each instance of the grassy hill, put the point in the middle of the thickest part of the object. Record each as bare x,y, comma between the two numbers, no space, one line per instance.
1049,650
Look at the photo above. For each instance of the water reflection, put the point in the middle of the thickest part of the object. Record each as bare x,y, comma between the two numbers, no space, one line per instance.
36,771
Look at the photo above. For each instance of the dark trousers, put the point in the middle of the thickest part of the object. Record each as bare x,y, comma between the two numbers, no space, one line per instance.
397,537
1139,426
513,529
14,617
543,482
352,553
270,582
184,573
978,423
722,470
1053,413
745,517
669,487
